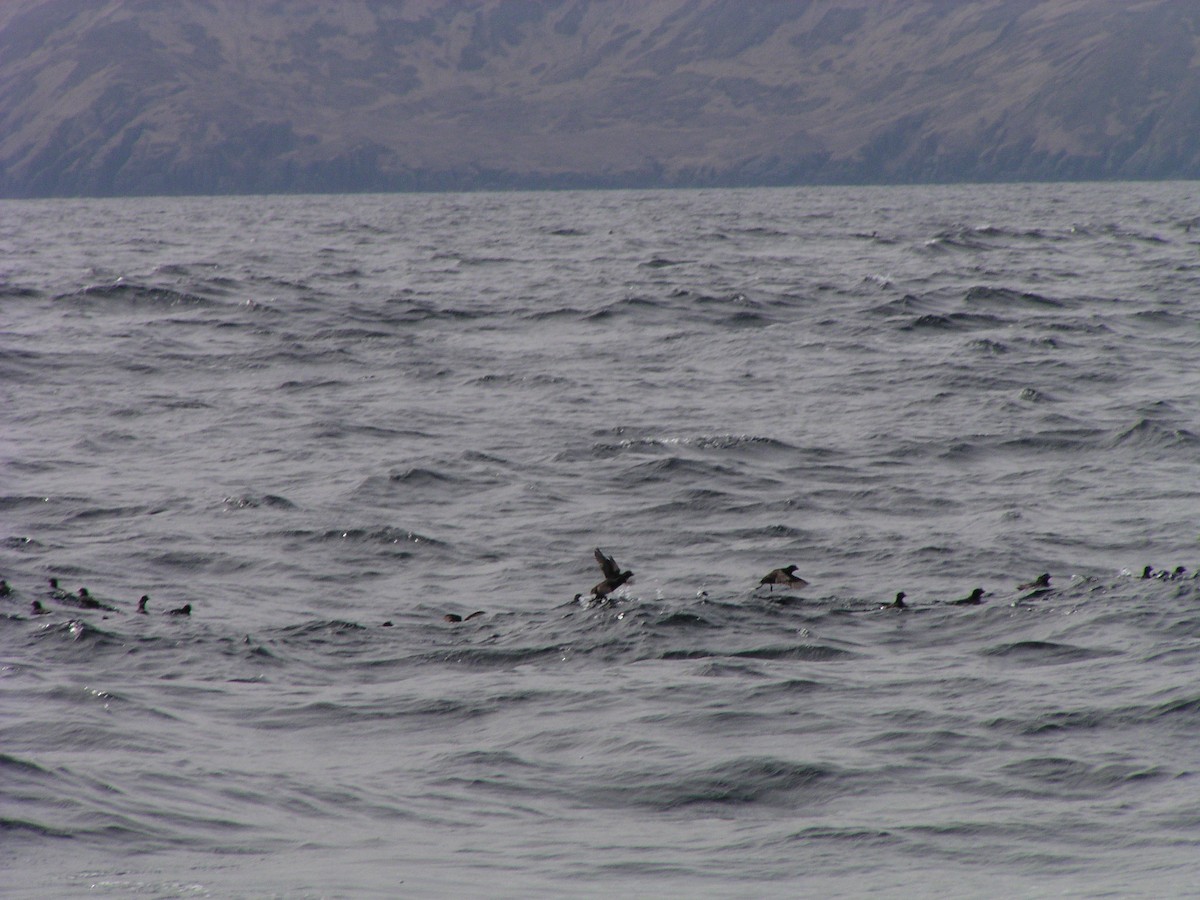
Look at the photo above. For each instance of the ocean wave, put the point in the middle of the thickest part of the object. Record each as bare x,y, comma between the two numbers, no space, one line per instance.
805,652
634,305
1006,298
676,467
126,294
748,780
671,445
421,477
987,237
386,534
196,561
695,501
19,292
257,501
77,632
1047,653
1054,441
906,305
953,322
1147,433
406,311
1064,777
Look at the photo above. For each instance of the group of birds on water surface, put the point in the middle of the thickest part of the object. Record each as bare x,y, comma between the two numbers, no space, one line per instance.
83,599
614,578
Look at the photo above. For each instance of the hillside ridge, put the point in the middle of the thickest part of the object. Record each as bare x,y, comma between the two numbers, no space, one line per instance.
216,96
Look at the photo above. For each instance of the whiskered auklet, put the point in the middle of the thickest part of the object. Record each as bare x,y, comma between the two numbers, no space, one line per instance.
974,600
613,576
785,576
85,600
1042,581
455,617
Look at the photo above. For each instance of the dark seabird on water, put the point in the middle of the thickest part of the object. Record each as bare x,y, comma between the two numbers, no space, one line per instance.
613,576
1164,575
36,609
56,592
784,576
899,603
142,603
86,601
185,610
1042,581
974,600
1148,572
454,617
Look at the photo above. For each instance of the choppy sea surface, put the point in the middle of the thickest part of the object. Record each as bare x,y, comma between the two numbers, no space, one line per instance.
306,417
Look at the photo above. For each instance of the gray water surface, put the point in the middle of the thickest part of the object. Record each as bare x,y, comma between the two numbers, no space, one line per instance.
309,416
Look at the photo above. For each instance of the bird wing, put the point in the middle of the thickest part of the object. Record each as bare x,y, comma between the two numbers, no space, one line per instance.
608,565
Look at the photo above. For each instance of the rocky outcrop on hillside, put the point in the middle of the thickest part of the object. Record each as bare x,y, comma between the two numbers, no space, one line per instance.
214,96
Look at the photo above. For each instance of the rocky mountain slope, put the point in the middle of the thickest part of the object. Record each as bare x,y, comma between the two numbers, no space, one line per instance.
169,96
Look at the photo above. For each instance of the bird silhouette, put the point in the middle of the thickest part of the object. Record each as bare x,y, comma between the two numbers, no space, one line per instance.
613,576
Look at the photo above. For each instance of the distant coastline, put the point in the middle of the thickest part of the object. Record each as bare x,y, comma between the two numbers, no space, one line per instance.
215,98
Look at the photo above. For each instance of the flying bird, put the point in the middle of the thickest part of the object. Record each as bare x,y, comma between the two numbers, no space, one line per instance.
785,576
613,576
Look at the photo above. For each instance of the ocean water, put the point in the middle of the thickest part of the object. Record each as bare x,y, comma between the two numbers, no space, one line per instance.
307,417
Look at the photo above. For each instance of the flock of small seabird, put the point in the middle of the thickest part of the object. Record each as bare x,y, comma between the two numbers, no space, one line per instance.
614,577
83,599
786,577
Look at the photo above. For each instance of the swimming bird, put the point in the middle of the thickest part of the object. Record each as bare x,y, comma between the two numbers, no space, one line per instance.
784,576
185,610
36,609
56,592
613,576
1164,575
142,603
974,600
899,603
1042,581
1148,572
454,617
84,600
